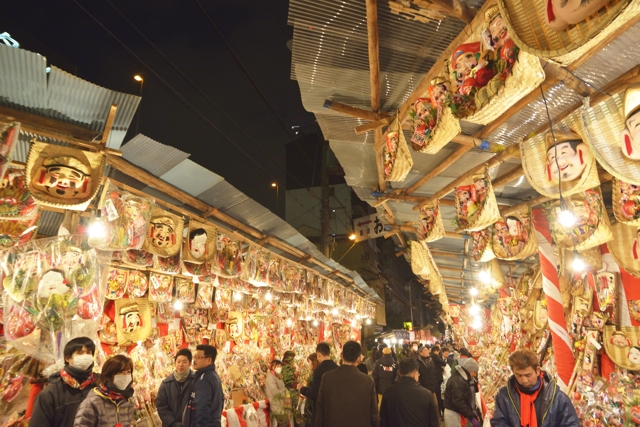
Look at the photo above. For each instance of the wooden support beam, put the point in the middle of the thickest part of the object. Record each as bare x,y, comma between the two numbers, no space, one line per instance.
392,220
374,53
377,149
353,111
49,125
454,9
563,75
439,169
508,177
402,197
109,124
512,151
399,254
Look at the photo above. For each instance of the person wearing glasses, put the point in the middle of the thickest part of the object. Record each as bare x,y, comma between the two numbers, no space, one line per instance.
205,405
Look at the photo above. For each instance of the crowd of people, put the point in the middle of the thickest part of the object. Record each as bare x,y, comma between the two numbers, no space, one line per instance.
425,387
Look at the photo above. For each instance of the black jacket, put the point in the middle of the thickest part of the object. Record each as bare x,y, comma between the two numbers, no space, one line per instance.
407,404
428,376
312,392
57,404
205,405
440,364
553,407
171,400
457,394
384,373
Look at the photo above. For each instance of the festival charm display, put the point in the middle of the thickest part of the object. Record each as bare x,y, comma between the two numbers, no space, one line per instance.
564,30
116,283
169,264
625,247
9,136
124,218
137,283
63,177
622,345
626,202
185,291
430,227
591,227
48,283
200,245
137,258
565,167
612,133
161,287
482,248
164,236
204,298
433,122
133,320
476,205
395,154
512,237
235,325
19,214
229,256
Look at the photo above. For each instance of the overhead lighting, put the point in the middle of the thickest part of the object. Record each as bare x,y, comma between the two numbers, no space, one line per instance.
473,292
477,324
97,230
315,323
268,296
578,265
368,321
273,184
289,322
237,296
474,310
352,236
138,78
335,312
177,305
566,218
485,277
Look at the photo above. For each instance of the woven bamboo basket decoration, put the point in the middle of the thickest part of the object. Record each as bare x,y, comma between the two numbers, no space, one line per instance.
476,205
527,23
430,227
592,259
577,166
513,238
420,264
164,236
625,247
626,202
592,227
395,153
497,276
482,245
63,177
541,315
623,346
611,142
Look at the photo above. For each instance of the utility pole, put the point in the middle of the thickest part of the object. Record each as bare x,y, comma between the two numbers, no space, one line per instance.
324,214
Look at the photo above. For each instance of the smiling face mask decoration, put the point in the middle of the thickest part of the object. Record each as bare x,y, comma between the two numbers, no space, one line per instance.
568,159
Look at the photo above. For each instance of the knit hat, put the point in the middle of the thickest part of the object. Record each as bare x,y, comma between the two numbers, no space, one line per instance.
386,350
471,365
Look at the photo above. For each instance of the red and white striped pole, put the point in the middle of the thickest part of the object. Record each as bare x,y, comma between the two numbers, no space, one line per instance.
562,348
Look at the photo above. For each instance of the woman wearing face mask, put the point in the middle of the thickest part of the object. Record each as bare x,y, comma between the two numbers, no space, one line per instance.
110,403
58,403
276,392
175,391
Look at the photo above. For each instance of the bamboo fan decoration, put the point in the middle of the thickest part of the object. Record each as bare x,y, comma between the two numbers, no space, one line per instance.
430,227
513,237
482,245
626,202
625,247
613,142
623,346
575,27
434,125
395,154
570,158
592,226
476,205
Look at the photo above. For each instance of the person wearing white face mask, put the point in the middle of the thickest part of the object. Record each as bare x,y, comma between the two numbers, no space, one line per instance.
110,404
58,403
275,391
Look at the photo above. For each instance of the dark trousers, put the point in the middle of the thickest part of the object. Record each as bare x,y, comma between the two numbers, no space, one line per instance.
440,401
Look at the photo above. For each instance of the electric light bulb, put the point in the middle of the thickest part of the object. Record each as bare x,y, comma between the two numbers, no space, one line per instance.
578,264
473,292
97,231
485,276
477,323
393,341
237,296
400,341
268,296
368,321
315,323
352,237
335,312
474,310
566,218
177,305
289,322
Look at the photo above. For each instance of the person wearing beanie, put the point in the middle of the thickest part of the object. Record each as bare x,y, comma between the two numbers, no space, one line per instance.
458,395
175,390
531,398
384,372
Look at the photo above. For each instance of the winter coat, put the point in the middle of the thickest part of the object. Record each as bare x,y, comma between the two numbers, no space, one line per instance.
275,391
205,406
347,398
439,362
57,404
172,400
407,404
457,394
363,368
311,392
100,411
384,373
428,376
369,364
552,404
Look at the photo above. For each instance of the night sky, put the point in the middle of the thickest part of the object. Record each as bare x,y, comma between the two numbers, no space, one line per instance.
173,111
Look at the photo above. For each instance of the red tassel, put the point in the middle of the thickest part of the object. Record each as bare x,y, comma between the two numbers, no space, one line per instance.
627,145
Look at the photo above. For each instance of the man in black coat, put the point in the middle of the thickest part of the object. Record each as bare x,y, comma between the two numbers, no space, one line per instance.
427,369
439,363
57,404
205,405
384,372
323,353
457,395
406,403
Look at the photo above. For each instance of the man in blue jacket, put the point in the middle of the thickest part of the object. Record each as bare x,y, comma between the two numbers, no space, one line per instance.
531,398
205,406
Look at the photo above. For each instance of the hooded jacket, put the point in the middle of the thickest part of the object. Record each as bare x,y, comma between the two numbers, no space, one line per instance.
57,404
205,405
553,406
457,394
384,373
100,411
172,400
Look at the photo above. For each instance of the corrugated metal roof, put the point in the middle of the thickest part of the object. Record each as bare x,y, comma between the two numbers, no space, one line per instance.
189,175
24,86
50,223
151,155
